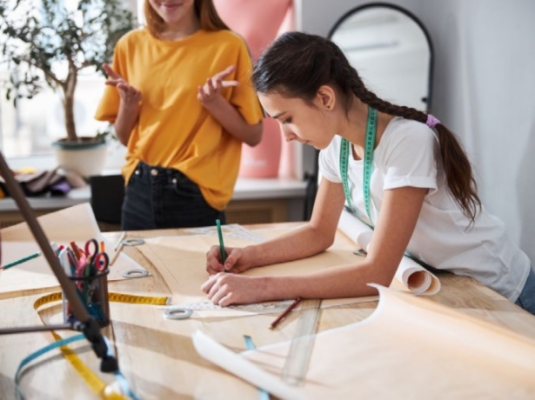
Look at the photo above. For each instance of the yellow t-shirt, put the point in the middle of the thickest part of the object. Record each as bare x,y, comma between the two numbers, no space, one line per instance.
174,130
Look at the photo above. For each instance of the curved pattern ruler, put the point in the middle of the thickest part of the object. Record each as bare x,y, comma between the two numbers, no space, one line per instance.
302,344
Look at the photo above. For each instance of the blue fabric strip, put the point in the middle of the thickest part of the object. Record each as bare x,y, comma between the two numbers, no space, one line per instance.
123,382
39,353
250,346
119,377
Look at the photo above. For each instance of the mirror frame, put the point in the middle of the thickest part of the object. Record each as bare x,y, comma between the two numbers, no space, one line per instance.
349,13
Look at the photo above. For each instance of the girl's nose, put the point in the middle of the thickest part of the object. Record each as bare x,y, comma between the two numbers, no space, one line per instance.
288,134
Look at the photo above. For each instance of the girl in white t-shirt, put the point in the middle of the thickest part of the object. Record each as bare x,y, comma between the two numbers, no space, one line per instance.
399,169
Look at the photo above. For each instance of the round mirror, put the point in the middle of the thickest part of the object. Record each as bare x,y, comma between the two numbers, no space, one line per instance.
391,50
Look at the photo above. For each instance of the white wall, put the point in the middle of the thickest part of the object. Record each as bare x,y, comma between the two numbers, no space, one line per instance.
484,90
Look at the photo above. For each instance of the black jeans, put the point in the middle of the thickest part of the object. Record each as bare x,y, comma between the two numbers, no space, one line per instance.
157,198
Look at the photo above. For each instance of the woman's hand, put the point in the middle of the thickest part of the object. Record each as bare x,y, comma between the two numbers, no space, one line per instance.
225,289
213,86
225,112
236,261
130,96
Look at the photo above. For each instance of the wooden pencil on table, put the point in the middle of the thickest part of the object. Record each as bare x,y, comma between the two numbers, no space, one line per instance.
285,313
21,260
118,248
117,251
121,238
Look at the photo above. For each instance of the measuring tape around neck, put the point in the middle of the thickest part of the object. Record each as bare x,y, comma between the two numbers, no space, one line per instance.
369,143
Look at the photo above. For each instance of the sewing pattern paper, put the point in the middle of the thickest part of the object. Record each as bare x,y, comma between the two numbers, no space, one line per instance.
409,347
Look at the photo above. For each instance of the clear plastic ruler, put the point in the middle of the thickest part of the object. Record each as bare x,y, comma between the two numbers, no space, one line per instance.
302,344
268,307
234,231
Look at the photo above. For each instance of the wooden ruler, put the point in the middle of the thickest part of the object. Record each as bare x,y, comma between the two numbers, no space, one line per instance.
302,344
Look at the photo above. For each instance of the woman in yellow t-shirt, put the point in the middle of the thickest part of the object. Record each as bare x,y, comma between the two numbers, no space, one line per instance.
180,98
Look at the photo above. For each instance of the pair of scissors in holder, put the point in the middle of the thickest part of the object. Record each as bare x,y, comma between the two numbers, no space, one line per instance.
91,248
98,259
101,262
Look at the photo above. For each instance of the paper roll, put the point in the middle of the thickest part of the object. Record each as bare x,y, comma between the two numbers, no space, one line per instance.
218,354
410,274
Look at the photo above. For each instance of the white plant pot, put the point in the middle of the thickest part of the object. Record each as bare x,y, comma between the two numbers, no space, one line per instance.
116,155
86,157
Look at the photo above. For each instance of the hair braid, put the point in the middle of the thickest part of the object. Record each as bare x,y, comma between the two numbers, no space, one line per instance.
457,167
297,64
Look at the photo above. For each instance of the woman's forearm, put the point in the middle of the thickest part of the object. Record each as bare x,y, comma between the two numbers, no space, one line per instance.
308,240
126,120
299,243
233,122
336,282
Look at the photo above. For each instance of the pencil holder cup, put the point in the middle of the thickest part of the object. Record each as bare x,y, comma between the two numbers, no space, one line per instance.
93,291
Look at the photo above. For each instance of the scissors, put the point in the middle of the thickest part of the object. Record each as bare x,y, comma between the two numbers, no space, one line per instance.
101,261
91,248
98,259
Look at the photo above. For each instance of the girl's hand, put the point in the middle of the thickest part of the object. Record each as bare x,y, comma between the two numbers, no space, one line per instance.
235,261
226,289
130,96
213,86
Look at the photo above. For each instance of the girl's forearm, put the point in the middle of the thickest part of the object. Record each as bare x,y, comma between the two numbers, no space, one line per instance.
126,120
299,243
233,122
338,282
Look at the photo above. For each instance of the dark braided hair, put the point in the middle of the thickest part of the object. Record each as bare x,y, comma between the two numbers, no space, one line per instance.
297,64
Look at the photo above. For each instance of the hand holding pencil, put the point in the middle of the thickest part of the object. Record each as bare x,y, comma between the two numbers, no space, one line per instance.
221,243
226,259
236,260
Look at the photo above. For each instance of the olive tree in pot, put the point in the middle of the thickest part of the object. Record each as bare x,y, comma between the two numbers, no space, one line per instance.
50,42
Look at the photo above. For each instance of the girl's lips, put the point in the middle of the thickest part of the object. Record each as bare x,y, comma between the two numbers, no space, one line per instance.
170,6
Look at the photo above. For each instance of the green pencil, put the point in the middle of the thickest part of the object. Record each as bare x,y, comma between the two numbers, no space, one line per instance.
221,244
20,261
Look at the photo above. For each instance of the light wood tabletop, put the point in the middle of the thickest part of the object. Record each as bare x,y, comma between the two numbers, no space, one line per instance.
157,355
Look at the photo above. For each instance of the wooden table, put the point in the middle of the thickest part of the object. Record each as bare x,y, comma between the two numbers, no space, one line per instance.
158,356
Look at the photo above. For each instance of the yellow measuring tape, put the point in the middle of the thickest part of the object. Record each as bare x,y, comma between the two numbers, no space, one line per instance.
113,297
91,379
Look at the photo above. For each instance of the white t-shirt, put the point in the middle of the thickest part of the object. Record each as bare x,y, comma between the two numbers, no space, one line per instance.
408,155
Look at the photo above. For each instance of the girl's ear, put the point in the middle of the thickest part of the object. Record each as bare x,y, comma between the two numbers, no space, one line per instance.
326,97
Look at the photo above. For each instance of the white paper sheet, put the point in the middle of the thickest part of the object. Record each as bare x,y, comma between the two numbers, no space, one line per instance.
182,262
216,353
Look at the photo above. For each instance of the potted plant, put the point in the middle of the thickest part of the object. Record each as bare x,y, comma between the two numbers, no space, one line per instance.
48,42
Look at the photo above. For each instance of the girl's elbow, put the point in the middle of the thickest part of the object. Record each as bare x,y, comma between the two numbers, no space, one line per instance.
324,238
379,273
255,137
123,140
254,141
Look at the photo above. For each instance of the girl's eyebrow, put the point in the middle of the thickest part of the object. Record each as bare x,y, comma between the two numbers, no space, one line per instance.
278,115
